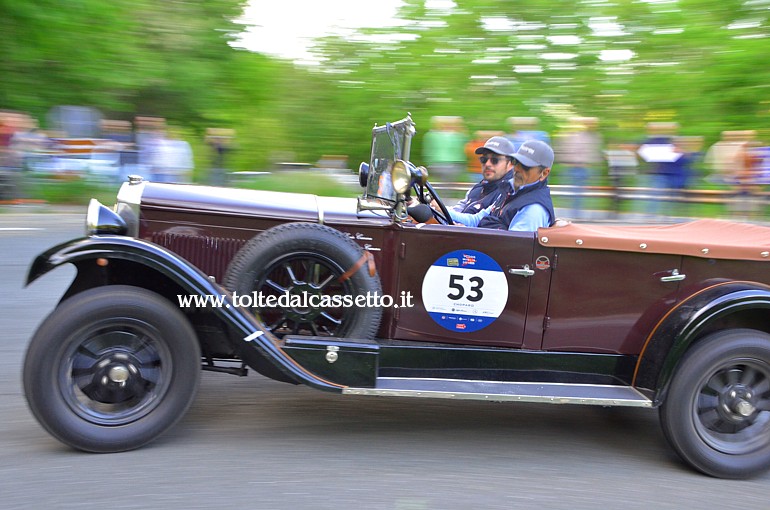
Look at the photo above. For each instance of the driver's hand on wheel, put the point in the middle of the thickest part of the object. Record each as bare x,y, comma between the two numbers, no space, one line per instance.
421,213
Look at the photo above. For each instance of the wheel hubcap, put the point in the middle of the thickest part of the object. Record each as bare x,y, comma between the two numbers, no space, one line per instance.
732,408
736,402
116,373
745,408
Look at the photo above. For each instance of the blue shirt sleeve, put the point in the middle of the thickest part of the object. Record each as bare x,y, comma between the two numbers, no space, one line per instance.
468,219
529,218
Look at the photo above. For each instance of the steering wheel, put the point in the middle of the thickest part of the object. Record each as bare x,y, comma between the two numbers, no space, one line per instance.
426,194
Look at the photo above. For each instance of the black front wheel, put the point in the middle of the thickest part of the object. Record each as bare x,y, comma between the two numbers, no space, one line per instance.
717,412
111,368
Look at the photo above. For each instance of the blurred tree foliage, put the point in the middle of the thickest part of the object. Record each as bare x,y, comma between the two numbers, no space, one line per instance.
627,62
136,56
699,62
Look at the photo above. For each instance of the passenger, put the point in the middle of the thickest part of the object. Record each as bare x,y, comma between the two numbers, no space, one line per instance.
496,169
526,205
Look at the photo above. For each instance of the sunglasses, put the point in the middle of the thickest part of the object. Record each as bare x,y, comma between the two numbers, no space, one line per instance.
494,159
523,166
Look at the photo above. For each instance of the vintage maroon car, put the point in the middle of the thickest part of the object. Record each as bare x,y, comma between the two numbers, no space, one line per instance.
176,277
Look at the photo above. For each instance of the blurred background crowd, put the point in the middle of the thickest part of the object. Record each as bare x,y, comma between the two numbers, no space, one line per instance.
657,172
658,106
82,145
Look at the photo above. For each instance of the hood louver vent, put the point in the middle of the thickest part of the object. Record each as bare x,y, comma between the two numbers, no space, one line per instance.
211,255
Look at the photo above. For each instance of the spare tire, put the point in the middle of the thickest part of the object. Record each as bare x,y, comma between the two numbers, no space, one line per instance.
312,274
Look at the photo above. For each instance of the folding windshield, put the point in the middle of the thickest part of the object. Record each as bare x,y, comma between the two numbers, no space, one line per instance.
389,143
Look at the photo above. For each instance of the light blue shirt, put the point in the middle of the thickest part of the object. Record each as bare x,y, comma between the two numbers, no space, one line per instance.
528,219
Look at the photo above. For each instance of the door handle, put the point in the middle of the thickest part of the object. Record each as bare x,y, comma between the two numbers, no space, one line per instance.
525,271
673,277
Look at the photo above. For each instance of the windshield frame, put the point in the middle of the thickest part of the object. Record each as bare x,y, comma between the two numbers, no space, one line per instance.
390,143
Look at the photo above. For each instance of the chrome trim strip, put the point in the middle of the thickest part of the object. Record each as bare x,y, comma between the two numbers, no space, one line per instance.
499,391
319,209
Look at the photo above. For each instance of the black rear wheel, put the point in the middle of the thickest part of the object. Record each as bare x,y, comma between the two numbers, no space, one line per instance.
717,413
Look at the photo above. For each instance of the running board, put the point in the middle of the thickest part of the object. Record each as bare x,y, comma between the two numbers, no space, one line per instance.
550,393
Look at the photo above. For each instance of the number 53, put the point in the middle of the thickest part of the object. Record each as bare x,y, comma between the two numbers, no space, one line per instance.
474,293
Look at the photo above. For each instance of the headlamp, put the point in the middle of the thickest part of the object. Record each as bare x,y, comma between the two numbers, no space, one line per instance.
401,176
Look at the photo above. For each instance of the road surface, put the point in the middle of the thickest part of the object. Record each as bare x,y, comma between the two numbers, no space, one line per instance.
255,443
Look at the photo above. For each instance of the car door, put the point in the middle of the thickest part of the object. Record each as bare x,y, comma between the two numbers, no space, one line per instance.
606,301
468,286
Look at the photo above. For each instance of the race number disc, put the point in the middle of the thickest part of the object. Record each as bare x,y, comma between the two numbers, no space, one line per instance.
464,291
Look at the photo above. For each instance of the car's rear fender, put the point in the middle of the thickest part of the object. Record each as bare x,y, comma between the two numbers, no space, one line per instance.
720,305
121,260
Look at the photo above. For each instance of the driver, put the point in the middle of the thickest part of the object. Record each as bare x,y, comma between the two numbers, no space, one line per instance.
526,204
496,168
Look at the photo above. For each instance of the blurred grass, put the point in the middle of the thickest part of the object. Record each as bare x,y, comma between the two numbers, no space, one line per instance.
67,190
72,190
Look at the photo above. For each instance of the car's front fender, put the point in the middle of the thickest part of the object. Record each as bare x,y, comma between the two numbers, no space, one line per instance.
96,254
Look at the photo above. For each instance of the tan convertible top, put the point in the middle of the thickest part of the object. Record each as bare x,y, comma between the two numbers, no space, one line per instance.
701,238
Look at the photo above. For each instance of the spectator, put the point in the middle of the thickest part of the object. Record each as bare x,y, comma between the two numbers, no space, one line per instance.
622,168
123,155
681,179
7,128
733,161
175,160
30,143
149,135
220,141
661,154
722,157
10,124
580,149
444,148
8,164
118,131
524,129
763,169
